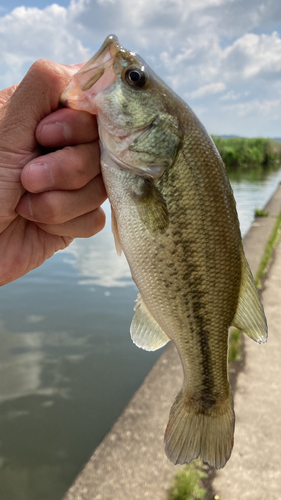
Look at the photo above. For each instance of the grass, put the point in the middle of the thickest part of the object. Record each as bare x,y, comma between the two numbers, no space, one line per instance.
245,154
187,482
259,212
271,244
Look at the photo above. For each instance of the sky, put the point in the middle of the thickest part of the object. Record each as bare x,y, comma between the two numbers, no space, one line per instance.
223,57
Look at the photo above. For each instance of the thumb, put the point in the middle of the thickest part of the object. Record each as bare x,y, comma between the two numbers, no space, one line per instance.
35,97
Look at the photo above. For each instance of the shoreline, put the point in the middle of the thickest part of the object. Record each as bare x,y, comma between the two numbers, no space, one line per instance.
130,463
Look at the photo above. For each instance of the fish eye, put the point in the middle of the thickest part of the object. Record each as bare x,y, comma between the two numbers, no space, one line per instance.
135,77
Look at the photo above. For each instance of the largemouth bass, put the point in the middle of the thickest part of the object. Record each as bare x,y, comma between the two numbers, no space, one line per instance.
174,216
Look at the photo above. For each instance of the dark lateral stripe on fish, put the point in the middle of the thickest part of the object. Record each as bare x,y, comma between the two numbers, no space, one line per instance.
202,333
194,296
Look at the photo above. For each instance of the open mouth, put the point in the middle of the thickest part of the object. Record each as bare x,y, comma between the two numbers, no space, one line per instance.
95,68
95,76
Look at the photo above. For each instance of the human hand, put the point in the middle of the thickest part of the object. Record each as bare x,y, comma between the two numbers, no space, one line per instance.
46,200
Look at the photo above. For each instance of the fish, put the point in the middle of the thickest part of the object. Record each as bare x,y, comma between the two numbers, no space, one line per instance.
174,217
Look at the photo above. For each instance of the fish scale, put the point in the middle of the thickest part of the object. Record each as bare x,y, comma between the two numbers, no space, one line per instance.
174,217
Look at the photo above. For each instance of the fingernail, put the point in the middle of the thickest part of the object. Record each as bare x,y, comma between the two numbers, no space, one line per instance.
29,204
56,132
39,177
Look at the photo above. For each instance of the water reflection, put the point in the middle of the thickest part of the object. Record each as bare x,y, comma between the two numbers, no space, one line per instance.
251,193
19,367
99,262
67,364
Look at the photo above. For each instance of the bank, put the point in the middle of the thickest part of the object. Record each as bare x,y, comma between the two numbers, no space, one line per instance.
130,463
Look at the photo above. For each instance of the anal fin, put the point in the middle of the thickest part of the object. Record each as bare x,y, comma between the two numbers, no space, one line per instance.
249,316
145,331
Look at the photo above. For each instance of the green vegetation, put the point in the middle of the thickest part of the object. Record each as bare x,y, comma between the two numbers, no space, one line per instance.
259,212
272,242
245,154
187,482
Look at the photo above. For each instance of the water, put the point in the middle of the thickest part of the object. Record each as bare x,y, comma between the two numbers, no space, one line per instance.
251,194
67,364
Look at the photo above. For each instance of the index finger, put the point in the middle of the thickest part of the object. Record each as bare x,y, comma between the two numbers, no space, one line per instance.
67,127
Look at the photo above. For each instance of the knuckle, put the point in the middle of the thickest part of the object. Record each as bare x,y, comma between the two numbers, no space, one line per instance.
98,188
80,167
76,175
96,222
44,68
51,77
38,66
51,212
40,72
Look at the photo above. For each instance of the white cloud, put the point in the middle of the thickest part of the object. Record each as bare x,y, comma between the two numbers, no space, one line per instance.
230,96
265,107
201,47
212,88
255,55
27,34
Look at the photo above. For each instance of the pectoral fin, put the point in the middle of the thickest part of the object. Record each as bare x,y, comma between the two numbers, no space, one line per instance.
115,231
145,331
151,205
249,316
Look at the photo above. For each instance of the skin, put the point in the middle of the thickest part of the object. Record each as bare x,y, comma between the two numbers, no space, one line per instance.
47,197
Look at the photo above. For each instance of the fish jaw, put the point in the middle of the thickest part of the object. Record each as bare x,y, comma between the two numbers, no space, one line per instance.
94,77
135,137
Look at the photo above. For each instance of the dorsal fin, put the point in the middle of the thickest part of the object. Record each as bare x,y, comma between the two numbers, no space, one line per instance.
249,316
145,331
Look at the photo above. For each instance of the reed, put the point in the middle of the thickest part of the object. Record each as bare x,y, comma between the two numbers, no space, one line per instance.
246,154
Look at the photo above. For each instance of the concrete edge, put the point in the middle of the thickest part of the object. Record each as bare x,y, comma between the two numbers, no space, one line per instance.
130,462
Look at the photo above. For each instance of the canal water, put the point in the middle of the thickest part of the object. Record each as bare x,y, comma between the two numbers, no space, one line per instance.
67,364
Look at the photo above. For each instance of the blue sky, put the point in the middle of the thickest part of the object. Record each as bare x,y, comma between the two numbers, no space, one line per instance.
9,5
222,56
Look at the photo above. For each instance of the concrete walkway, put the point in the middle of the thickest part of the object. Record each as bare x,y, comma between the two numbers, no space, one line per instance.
254,470
130,463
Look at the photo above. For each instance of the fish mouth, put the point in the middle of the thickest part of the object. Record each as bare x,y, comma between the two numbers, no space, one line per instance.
95,76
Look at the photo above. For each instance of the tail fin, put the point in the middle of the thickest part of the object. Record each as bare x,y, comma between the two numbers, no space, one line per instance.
190,433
